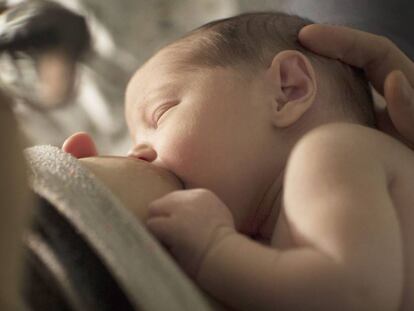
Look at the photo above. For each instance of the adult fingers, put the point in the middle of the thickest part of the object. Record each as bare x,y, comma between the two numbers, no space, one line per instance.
399,95
376,55
80,145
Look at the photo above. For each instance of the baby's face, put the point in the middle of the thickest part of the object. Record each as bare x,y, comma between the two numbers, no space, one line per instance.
206,125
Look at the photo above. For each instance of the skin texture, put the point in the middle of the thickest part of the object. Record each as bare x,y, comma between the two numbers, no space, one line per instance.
193,223
200,125
135,182
204,112
211,227
347,225
389,70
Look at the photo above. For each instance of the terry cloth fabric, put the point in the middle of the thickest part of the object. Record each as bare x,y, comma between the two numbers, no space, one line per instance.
144,271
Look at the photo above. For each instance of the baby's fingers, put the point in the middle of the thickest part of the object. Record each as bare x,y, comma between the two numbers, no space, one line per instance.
161,228
399,95
169,204
157,209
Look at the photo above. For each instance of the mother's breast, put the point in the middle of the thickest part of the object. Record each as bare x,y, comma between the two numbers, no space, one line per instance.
135,182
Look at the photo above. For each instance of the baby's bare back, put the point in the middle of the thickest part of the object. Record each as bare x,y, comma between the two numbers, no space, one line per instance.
397,162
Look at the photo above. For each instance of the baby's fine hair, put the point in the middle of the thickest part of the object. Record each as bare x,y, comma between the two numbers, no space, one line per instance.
250,41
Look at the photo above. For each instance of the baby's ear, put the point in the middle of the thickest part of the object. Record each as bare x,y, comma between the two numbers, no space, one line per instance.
294,87
80,145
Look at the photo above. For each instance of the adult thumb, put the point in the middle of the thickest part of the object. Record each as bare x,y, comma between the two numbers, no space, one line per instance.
399,95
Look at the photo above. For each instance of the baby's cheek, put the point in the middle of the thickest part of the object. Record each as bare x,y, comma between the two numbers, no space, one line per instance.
181,157
190,150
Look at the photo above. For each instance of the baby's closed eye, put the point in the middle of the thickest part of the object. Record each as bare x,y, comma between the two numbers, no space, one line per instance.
160,112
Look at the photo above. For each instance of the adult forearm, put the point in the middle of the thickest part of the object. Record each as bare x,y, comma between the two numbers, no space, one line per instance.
249,276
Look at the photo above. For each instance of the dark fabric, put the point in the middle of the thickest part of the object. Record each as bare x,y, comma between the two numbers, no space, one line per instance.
394,19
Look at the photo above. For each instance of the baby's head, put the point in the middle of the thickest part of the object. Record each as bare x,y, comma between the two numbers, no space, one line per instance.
222,106
249,42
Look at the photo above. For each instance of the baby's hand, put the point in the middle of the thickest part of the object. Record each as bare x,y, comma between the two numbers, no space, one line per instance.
190,223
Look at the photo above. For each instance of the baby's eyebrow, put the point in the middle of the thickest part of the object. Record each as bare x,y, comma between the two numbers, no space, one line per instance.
142,106
162,93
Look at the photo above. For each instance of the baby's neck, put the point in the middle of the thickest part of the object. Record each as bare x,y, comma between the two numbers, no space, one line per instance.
263,220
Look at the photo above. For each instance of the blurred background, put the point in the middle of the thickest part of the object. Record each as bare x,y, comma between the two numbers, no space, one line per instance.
125,33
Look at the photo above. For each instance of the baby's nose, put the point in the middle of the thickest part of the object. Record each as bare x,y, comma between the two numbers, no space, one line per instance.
143,152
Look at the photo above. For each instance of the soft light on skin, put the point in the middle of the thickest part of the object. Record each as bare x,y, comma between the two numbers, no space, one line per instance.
196,138
228,131
134,182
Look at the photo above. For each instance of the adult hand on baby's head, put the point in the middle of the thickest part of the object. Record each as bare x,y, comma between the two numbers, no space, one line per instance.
388,69
80,145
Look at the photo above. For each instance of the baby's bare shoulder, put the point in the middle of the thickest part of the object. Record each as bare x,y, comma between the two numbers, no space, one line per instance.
347,142
335,184
335,142
343,135
337,149
345,152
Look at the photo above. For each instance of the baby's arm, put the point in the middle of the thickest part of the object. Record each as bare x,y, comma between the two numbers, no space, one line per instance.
349,254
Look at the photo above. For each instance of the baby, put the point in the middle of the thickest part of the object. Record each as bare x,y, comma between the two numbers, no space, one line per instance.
292,199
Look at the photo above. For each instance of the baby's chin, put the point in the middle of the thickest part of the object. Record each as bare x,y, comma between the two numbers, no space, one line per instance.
135,182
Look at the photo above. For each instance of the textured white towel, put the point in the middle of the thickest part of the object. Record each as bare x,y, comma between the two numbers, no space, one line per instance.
145,272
